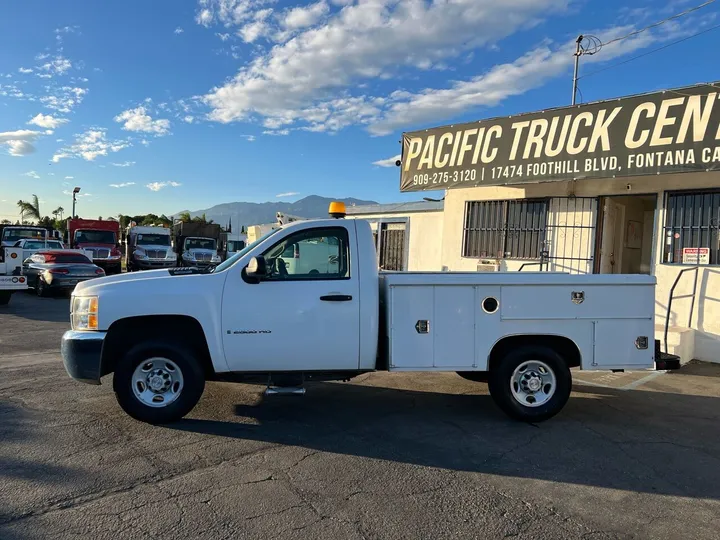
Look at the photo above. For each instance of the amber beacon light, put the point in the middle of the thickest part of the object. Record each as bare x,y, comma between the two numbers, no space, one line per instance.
337,209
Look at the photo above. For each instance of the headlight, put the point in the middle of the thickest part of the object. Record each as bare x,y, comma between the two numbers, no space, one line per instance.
216,258
170,254
188,255
84,313
140,254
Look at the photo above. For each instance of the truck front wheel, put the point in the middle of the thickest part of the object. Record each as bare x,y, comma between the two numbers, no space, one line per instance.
531,384
158,383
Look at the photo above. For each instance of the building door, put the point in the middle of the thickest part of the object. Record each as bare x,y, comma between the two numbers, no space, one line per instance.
609,252
392,246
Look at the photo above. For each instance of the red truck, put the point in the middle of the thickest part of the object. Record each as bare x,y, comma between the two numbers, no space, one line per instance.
101,237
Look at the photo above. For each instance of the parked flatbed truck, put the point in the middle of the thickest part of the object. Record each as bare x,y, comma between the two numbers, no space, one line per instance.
164,333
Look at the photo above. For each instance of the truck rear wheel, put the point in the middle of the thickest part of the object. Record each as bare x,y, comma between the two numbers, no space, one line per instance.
158,383
531,384
5,298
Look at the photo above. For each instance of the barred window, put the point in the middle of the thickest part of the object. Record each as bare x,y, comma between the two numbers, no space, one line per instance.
692,221
505,229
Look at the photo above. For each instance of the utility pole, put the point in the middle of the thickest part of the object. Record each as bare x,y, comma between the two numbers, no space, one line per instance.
578,53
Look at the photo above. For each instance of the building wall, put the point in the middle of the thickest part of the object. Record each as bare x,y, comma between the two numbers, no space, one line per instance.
424,231
706,310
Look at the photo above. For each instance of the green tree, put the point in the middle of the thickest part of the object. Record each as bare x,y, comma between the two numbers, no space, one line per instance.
184,217
30,209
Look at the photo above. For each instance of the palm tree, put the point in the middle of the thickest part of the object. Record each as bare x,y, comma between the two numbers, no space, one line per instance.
21,206
32,210
59,211
184,217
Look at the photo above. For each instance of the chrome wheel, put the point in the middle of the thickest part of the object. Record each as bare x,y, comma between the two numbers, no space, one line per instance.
157,382
533,383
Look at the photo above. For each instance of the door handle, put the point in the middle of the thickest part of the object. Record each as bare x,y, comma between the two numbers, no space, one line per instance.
336,298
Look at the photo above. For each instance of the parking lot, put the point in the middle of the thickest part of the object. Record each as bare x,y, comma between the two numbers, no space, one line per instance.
384,456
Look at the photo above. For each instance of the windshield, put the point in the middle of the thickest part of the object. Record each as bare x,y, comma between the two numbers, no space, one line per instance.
232,260
153,240
20,234
95,237
235,245
53,244
200,243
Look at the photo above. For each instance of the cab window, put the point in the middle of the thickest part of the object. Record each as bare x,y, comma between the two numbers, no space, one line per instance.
316,254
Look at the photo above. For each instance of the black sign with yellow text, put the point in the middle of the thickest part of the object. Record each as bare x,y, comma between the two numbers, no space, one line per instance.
671,131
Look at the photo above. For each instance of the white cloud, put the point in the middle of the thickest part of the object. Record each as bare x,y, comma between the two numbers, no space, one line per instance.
32,174
249,138
25,70
123,164
367,40
57,66
89,145
138,120
19,142
157,186
69,178
389,162
188,119
302,17
504,80
63,99
259,27
277,132
124,184
83,194
223,37
178,30
48,121
288,194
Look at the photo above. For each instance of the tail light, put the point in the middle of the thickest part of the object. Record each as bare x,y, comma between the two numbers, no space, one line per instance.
100,272
59,271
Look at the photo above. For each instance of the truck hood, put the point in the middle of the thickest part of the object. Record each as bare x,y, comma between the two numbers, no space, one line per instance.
121,280
197,251
143,246
95,245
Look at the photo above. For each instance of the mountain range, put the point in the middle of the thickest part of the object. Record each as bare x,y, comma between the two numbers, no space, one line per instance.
246,213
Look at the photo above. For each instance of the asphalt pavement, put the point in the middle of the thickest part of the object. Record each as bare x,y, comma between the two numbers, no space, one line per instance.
384,456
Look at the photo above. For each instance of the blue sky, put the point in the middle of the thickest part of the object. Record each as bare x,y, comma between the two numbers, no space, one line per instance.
171,104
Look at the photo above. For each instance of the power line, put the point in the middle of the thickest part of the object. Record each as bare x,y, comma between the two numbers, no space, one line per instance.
656,24
650,52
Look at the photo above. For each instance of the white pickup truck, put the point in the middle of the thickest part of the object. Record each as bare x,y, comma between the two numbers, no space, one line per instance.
252,318
11,278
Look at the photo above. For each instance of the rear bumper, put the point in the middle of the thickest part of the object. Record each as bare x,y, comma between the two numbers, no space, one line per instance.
66,283
82,355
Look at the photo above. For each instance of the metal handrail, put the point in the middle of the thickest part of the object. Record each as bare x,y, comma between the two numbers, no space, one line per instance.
530,264
670,299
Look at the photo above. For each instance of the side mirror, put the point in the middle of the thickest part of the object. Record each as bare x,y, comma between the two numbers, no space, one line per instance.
256,270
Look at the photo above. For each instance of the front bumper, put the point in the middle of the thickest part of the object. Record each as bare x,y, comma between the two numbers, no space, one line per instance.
108,264
155,265
82,355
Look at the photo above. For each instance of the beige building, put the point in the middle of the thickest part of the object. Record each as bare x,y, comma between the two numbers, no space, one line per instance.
408,236
663,225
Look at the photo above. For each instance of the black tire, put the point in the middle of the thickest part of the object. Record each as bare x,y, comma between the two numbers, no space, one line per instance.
501,376
5,298
193,383
41,288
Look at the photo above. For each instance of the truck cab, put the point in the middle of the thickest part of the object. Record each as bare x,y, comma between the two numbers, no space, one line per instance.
100,239
11,234
200,252
149,248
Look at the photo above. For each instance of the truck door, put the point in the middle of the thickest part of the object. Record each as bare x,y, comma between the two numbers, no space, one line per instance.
298,318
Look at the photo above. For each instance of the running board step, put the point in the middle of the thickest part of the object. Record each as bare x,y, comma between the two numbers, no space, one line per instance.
285,390
665,361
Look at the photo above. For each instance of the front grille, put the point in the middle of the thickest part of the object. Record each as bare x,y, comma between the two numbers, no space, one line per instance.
203,257
100,253
156,254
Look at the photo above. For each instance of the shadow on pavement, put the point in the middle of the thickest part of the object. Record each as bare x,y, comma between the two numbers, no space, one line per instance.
635,441
28,306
